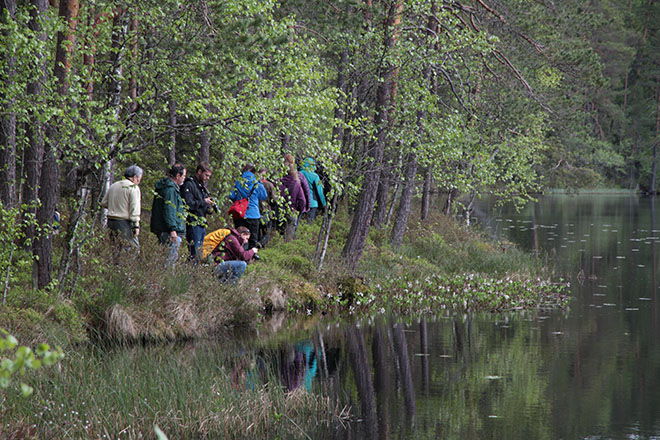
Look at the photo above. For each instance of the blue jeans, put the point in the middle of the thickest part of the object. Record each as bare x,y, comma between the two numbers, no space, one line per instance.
230,271
195,237
164,239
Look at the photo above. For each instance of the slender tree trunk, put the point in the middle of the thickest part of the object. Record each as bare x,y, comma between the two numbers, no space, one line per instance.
204,146
50,173
171,157
401,218
426,193
119,30
8,123
133,86
395,199
34,129
382,195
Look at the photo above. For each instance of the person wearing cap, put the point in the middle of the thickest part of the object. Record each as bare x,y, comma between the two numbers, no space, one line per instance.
123,202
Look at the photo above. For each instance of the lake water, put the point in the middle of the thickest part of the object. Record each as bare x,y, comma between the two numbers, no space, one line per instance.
589,372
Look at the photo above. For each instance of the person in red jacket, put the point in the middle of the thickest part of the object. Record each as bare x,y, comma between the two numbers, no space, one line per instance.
231,257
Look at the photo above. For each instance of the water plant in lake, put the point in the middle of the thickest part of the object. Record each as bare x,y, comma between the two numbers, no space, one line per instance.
463,292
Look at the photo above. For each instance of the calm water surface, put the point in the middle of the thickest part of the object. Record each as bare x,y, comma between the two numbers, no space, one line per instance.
592,371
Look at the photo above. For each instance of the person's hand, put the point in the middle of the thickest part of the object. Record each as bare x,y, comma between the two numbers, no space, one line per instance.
136,232
173,236
255,250
209,201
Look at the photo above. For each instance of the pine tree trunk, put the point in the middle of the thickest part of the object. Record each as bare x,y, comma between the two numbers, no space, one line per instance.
8,126
34,129
357,235
50,172
382,195
402,214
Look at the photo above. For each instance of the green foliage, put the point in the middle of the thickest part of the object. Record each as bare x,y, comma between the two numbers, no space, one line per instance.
22,358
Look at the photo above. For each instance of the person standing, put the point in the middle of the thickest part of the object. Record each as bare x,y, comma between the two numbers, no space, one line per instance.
248,187
168,214
200,204
293,194
123,200
317,197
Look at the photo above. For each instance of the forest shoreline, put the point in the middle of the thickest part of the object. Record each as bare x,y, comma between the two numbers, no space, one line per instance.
441,267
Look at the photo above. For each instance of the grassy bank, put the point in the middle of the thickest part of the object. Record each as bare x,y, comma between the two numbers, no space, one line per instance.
440,266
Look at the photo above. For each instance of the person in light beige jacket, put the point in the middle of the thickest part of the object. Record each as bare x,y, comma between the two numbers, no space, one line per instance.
124,202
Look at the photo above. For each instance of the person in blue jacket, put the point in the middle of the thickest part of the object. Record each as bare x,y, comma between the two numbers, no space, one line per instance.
249,186
317,198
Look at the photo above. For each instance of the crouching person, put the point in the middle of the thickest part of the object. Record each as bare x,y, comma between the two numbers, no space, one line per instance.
230,256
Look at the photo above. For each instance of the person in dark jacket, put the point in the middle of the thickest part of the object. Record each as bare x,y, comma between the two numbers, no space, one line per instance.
248,187
231,257
200,204
168,214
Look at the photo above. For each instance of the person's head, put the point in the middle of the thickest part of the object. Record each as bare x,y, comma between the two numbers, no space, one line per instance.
134,174
244,233
177,173
203,172
289,159
250,167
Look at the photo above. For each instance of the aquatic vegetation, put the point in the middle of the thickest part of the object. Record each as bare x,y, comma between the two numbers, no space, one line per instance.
460,292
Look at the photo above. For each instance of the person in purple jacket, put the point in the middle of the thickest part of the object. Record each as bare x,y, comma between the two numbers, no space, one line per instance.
295,202
231,257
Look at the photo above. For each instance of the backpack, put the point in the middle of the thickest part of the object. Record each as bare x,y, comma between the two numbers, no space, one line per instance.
212,240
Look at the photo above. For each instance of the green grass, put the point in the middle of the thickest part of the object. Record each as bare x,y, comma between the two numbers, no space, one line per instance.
188,391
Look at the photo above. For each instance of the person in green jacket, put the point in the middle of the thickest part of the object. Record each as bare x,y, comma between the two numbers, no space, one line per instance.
317,199
168,213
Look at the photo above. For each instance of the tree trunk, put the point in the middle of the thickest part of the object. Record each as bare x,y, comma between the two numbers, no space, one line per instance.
395,198
426,193
8,126
171,156
34,129
357,235
384,185
50,173
401,218
204,146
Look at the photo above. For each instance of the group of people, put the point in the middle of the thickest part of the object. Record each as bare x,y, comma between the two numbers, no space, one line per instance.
181,205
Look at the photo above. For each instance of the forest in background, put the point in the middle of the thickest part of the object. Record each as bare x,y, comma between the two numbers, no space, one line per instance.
394,99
